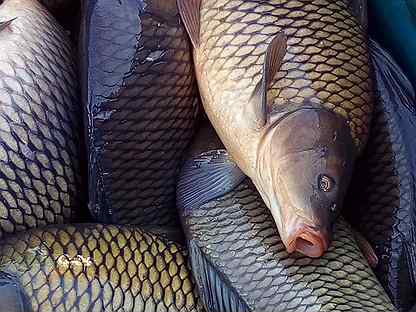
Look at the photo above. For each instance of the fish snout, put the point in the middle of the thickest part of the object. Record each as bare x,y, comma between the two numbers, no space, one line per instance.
308,240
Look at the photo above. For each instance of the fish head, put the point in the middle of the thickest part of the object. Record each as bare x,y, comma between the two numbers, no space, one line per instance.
303,172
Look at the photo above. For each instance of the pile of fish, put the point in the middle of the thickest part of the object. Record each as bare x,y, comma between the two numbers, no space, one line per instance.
205,155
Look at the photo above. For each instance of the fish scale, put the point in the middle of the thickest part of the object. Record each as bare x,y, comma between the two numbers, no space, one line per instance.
39,120
98,268
142,110
326,61
235,234
383,188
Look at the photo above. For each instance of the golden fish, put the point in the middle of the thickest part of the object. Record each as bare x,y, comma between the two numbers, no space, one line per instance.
88,268
287,86
238,259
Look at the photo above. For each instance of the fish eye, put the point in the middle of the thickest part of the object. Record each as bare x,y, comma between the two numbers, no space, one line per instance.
325,183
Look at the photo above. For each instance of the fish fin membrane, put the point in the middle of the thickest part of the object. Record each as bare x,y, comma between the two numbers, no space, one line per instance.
366,249
410,252
273,60
190,14
12,296
5,24
391,80
214,288
207,177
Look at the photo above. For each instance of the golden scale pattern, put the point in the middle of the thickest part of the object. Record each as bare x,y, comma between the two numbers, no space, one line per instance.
237,234
39,120
326,61
99,268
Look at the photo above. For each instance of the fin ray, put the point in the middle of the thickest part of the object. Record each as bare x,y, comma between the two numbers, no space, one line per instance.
207,177
190,13
275,53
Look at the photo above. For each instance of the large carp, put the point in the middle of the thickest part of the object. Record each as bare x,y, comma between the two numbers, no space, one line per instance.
40,122
383,189
287,86
240,262
88,268
141,101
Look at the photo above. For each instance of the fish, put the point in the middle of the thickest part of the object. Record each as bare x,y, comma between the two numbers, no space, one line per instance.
141,106
287,86
94,267
40,129
238,259
383,188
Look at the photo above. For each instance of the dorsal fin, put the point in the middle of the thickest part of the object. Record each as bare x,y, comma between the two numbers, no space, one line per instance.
275,53
5,24
190,14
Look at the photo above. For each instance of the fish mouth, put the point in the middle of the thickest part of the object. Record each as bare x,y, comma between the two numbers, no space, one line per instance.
308,241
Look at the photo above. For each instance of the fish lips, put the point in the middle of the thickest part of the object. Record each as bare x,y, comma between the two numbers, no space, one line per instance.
308,240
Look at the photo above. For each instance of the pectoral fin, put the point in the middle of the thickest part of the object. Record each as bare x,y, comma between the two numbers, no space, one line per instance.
205,178
12,295
275,53
190,14
366,249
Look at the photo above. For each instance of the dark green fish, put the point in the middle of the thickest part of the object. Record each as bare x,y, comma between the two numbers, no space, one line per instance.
382,199
238,259
39,119
88,268
140,99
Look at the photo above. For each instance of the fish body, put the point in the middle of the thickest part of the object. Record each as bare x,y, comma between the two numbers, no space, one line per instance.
95,268
140,98
238,259
39,120
383,187
287,86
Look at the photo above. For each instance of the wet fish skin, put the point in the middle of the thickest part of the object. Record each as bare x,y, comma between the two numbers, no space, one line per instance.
239,261
40,129
141,102
383,188
272,70
93,267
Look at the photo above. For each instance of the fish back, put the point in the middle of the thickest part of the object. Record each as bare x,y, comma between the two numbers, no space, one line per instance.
140,96
326,61
39,120
383,189
97,268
